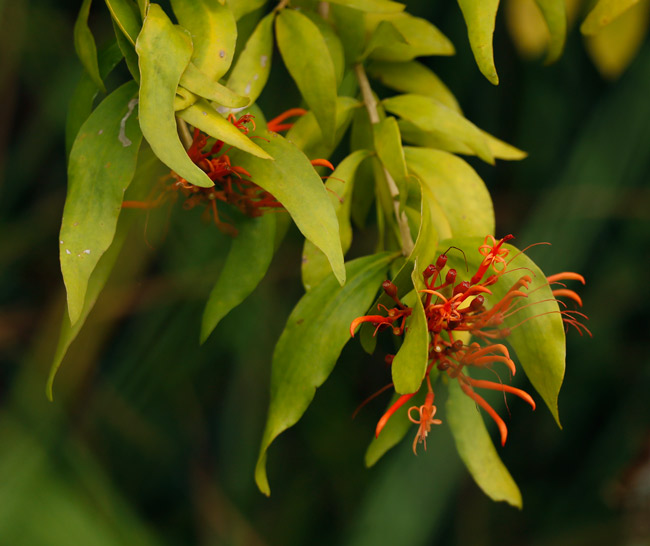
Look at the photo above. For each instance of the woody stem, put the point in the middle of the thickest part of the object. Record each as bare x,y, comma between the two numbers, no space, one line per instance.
371,107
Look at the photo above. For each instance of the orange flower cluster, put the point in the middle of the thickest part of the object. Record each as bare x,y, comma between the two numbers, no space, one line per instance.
454,307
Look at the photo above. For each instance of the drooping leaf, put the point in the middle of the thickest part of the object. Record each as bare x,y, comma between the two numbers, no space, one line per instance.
307,59
371,6
247,262
199,83
292,180
480,17
127,18
101,166
251,71
537,335
388,145
413,77
214,34
208,120
81,102
84,44
603,13
554,12
477,450
385,36
310,344
333,42
431,116
164,52
315,266
460,192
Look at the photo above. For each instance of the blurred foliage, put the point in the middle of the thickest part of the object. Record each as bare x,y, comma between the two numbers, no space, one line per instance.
152,438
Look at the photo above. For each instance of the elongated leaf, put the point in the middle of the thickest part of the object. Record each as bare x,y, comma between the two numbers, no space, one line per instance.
413,77
371,6
537,330
603,13
432,116
101,166
244,7
247,262
554,12
144,7
310,344
315,266
164,53
333,42
128,50
251,71
477,450
457,188
127,17
84,44
206,118
307,59
198,82
388,145
480,17
292,180
214,33
81,102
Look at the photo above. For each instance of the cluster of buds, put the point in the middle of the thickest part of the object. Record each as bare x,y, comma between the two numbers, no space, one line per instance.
455,309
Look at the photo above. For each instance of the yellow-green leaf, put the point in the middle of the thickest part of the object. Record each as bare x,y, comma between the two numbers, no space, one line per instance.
199,83
164,52
127,18
84,44
554,12
603,13
388,145
244,7
371,6
480,17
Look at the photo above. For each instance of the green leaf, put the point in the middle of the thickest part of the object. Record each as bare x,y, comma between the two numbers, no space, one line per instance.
413,77
247,262
208,120
384,36
244,7
388,145
214,33
251,71
554,12
144,7
310,344
127,49
480,17
498,148
420,36
199,83
477,450
84,45
333,42
164,53
315,266
101,166
83,96
537,330
371,6
429,115
603,13
292,180
127,17
307,59
455,186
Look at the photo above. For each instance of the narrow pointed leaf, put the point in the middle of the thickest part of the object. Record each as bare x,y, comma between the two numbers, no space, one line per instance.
101,166
432,116
199,83
292,180
371,6
480,17
143,5
554,12
214,34
127,17
388,145
84,44
251,71
247,262
603,13
310,344
333,42
128,50
164,53
307,59
476,449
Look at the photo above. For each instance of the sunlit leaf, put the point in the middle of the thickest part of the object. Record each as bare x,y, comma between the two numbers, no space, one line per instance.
477,450
292,180
603,13
480,17
164,52
244,7
251,71
334,45
214,34
310,344
388,145
126,15
84,44
431,116
247,262
307,59
554,12
372,6
315,266
101,166
199,83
